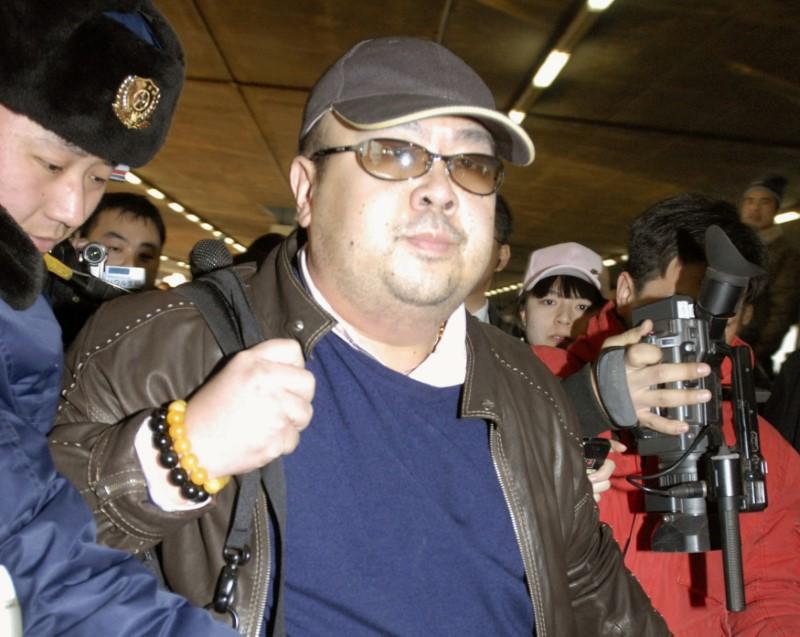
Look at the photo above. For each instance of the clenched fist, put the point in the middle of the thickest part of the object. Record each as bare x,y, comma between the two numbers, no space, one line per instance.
253,410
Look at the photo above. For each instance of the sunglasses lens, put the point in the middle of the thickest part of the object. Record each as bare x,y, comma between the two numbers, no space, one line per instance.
479,174
393,159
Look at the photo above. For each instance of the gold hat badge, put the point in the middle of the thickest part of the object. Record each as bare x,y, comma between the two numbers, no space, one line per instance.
136,101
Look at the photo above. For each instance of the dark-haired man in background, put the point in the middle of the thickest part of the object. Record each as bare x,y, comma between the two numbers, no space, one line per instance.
131,229
130,226
776,310
666,256
477,303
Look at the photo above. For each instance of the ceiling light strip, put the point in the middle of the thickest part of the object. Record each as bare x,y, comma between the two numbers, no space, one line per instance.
557,58
181,210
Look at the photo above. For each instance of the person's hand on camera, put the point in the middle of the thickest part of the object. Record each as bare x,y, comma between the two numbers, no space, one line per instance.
253,410
601,479
644,371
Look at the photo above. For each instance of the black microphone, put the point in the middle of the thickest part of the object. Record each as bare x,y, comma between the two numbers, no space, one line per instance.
208,255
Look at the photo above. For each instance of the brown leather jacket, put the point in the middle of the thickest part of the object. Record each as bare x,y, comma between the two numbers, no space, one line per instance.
142,351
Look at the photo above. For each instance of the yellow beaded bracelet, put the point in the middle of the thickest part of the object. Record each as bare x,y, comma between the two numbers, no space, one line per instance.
176,412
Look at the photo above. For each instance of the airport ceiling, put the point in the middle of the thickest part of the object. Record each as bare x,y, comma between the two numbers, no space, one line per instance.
658,97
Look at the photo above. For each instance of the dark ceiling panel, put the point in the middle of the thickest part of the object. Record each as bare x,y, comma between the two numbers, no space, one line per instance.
202,57
502,40
704,67
216,162
278,113
289,44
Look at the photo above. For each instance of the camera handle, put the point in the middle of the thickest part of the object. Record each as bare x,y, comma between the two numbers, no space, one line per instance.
727,490
745,418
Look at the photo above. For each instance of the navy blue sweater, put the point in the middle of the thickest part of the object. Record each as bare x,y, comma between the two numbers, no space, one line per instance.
396,522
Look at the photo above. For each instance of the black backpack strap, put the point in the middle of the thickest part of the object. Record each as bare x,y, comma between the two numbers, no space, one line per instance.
221,298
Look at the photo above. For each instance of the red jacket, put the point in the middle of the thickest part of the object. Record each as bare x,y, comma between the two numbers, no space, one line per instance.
689,589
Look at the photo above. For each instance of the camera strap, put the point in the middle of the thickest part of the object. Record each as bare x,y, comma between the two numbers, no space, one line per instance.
612,385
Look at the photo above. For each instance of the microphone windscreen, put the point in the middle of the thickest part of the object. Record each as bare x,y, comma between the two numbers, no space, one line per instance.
208,255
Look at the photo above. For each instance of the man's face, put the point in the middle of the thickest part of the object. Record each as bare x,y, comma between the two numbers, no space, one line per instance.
758,208
378,246
47,185
131,241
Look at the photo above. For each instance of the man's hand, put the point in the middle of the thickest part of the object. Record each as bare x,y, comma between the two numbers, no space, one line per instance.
253,410
644,370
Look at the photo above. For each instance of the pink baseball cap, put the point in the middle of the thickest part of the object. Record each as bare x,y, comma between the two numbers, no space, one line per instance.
569,258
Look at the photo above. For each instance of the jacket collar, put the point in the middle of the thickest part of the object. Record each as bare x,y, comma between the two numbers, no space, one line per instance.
278,285
22,271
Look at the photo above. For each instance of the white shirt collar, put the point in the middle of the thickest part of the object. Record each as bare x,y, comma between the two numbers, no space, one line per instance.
482,313
444,367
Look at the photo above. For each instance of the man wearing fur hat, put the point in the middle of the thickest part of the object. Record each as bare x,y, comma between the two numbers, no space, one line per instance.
83,86
776,310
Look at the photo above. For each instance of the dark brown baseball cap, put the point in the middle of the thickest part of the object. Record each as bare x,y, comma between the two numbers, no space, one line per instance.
391,81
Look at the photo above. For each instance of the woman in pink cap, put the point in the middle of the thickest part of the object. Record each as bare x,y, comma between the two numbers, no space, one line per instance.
560,294
561,289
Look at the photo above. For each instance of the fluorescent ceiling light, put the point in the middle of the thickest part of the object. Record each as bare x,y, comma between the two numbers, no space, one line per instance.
175,206
598,5
175,279
206,226
516,116
239,247
155,194
192,217
550,69
132,179
785,217
609,262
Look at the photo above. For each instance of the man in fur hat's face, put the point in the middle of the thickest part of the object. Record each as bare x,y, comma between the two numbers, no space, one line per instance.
47,185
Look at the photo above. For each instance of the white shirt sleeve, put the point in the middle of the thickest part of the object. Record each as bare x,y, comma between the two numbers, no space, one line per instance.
163,494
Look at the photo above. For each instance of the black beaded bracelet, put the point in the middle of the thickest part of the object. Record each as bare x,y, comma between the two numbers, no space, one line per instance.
169,459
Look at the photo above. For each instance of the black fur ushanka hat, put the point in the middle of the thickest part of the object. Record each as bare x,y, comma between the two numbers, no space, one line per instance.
103,75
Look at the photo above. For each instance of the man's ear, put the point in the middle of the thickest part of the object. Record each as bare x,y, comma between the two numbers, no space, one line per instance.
747,314
301,178
625,292
503,255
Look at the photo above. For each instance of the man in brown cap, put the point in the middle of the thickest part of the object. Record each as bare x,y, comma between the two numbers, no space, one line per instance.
84,85
438,486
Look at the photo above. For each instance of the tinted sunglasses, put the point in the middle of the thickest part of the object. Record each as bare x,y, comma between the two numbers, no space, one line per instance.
397,160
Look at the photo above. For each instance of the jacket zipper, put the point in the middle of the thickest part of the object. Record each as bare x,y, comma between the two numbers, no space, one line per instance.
106,490
268,552
499,461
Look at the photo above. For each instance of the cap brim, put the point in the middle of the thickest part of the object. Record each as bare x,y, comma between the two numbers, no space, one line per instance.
373,113
562,270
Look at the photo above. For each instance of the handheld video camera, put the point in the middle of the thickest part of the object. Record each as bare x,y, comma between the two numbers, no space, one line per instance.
94,257
701,484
